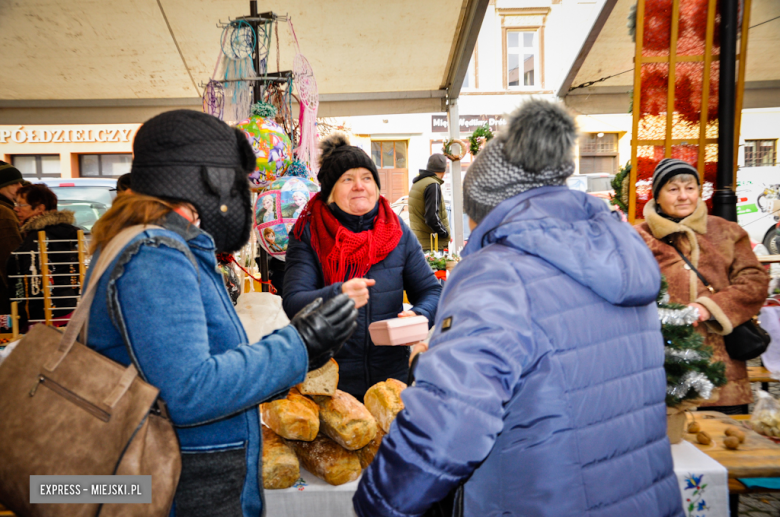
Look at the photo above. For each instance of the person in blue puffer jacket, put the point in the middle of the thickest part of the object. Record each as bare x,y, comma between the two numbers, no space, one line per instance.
162,306
348,240
543,390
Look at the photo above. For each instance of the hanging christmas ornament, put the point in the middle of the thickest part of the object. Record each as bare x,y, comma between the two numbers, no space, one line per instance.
277,208
481,136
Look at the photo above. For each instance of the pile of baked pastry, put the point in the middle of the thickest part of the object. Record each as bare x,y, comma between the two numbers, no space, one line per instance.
324,429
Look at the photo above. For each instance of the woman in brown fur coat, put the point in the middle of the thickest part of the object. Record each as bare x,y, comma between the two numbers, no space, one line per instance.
721,251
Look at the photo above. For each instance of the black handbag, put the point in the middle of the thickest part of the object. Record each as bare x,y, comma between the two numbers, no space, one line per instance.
746,341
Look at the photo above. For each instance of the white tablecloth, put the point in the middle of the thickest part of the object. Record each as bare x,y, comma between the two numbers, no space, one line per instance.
703,482
311,497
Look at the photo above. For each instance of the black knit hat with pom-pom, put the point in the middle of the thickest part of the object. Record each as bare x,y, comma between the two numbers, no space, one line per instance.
187,156
337,158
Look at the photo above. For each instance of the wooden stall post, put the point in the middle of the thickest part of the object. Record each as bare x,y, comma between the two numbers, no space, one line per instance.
668,130
15,319
45,276
82,257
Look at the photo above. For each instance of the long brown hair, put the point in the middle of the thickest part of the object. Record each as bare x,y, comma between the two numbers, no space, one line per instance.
127,210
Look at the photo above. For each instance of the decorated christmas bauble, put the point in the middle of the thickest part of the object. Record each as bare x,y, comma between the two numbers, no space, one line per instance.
272,148
277,208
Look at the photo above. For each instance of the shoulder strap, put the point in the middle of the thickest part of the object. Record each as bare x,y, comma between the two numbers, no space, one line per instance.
80,315
703,280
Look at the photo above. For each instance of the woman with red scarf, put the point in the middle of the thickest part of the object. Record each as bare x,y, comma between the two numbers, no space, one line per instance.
348,240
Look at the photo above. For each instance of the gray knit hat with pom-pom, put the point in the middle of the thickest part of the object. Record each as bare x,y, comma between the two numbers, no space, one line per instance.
536,149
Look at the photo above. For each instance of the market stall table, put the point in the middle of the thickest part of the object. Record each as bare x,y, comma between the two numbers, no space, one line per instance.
757,457
760,374
769,259
311,497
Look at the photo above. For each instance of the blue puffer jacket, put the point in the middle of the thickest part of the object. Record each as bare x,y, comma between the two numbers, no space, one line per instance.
164,298
544,385
361,363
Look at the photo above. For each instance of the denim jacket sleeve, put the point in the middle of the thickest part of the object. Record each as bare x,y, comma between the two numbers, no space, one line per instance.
303,282
454,411
158,300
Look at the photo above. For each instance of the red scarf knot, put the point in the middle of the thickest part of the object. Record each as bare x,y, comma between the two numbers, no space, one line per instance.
343,254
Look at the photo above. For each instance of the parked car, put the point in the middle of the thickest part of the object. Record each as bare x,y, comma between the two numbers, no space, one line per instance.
597,184
401,208
87,198
758,202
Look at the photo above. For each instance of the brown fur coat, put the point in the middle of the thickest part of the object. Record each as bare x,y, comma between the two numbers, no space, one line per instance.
10,238
721,251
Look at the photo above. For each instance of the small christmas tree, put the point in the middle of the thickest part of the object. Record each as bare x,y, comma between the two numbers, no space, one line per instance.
689,373
620,187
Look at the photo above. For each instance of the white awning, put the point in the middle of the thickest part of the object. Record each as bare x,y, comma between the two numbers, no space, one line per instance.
101,61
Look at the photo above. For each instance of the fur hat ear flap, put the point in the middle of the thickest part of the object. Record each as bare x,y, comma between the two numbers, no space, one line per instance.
245,152
540,134
330,144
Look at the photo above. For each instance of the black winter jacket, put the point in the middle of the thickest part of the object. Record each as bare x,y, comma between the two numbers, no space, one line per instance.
361,363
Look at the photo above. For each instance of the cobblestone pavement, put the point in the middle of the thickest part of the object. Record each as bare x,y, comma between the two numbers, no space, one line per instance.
761,505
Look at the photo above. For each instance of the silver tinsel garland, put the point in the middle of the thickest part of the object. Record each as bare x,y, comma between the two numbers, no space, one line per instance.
691,380
683,356
678,317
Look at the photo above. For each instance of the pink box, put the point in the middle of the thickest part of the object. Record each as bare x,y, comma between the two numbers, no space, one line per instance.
399,331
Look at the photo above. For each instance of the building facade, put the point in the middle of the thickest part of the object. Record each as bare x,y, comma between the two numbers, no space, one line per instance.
524,50
69,150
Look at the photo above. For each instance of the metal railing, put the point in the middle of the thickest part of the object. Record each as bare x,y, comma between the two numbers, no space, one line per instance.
42,278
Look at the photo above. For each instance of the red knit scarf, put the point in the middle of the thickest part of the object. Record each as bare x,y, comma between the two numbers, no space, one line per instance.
345,255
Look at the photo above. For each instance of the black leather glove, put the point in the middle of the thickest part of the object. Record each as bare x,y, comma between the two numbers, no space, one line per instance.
324,327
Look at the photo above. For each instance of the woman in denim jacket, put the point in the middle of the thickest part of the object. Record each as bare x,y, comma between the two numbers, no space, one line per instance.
162,306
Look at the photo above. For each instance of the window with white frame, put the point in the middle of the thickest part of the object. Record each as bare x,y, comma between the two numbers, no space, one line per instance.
522,59
37,166
104,165
470,82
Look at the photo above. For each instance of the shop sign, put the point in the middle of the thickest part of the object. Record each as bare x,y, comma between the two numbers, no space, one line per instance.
468,123
20,135
747,209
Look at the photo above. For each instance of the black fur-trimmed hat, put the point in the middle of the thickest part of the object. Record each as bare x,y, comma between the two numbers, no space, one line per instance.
337,158
185,155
